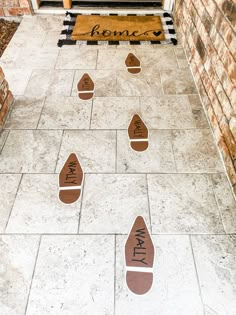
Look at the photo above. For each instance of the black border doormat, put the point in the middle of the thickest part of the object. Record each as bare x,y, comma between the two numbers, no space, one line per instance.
69,22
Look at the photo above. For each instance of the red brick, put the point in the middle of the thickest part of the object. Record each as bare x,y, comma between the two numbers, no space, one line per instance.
228,137
24,3
3,91
16,11
6,106
1,12
9,3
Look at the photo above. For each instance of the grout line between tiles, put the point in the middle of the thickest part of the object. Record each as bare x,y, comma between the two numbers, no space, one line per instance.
149,207
36,259
173,152
116,160
81,204
112,233
195,267
73,80
91,115
13,203
41,112
5,140
58,154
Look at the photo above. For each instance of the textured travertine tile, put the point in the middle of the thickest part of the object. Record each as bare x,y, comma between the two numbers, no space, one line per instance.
112,202
3,136
17,79
114,112
83,58
50,82
74,275
225,200
95,150
60,112
145,83
9,185
161,58
37,58
198,112
17,259
41,23
29,39
9,58
104,82
215,262
51,39
183,203
37,208
25,113
112,58
181,57
157,158
175,288
177,81
30,151
195,151
167,112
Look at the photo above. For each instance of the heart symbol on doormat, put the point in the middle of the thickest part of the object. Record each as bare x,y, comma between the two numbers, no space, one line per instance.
157,33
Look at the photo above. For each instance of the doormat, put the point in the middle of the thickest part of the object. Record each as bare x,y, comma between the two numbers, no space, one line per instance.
167,31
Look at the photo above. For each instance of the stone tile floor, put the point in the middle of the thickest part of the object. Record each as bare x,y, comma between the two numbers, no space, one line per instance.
60,259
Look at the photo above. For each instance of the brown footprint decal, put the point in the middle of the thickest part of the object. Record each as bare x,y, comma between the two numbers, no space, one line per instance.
70,180
138,134
132,64
139,257
85,87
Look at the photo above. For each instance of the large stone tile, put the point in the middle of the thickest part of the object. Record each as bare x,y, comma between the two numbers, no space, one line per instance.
41,23
17,79
77,59
175,288
28,39
50,82
177,81
30,151
112,58
25,113
183,203
96,150
37,58
161,58
157,158
9,185
114,112
167,112
107,200
199,116
37,208
225,200
9,58
215,262
195,151
74,275
3,136
51,39
181,57
145,83
17,259
104,82
62,112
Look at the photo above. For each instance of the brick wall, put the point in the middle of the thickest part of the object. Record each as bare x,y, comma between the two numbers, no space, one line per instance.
208,34
15,7
6,99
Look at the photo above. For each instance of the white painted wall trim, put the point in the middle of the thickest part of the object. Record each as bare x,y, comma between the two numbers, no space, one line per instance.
168,5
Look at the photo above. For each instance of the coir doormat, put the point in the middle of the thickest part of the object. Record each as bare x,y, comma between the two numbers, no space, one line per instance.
158,29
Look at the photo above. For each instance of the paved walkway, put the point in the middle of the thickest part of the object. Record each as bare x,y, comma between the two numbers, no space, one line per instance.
69,259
